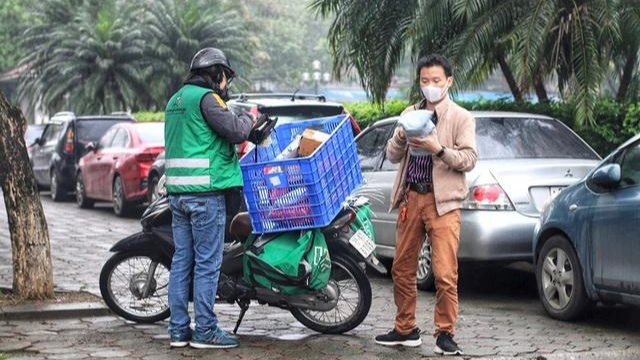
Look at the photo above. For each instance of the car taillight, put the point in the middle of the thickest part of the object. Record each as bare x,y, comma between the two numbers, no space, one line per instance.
68,145
145,161
487,197
146,157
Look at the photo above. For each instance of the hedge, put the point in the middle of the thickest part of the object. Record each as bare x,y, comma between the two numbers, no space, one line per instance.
616,122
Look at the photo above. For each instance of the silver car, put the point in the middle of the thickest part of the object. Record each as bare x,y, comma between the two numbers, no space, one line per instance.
524,160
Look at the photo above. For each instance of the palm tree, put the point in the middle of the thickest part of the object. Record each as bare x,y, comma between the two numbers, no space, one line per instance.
530,41
92,61
569,40
39,41
176,30
627,53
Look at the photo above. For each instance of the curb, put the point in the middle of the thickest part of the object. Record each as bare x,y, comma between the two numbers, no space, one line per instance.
632,352
54,311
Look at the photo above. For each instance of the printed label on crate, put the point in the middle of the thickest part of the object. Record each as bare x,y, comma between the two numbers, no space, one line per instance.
275,177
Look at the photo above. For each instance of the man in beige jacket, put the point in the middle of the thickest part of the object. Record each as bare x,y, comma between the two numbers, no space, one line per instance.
429,191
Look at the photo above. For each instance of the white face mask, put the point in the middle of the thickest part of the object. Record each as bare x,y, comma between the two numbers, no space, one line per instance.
434,94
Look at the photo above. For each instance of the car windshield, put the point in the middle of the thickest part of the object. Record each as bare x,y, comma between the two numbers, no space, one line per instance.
151,133
295,113
92,130
517,138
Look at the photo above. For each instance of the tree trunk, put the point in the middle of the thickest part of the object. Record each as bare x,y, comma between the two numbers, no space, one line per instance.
541,92
32,273
627,75
511,80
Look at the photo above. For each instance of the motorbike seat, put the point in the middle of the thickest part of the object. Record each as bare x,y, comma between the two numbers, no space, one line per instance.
241,225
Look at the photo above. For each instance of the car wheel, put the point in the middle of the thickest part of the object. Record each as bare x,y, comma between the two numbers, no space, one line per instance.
57,192
153,188
120,204
559,279
426,279
81,194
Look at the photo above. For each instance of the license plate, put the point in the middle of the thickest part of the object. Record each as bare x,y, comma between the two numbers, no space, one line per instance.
554,191
363,243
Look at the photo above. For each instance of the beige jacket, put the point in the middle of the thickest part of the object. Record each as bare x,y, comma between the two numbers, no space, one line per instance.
456,130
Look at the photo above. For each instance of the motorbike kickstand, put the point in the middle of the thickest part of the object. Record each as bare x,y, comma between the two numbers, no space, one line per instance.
244,306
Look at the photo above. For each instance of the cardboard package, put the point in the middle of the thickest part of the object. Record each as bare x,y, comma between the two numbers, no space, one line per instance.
311,140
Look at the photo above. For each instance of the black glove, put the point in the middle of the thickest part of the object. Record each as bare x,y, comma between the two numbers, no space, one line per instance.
262,129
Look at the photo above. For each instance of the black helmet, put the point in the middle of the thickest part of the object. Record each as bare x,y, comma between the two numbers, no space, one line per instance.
208,57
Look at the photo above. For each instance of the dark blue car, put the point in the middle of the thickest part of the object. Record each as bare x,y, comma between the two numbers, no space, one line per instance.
587,241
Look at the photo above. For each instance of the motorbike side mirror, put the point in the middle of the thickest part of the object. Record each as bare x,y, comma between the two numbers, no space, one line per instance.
608,176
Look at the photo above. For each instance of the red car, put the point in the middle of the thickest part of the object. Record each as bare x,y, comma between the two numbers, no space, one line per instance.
116,168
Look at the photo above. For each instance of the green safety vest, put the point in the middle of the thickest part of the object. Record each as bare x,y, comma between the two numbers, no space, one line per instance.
196,158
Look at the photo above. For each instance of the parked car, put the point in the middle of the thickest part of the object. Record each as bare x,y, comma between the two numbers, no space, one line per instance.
55,155
523,160
287,108
116,169
586,244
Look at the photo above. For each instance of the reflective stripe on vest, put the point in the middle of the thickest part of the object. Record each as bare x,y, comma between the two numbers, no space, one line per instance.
188,163
188,180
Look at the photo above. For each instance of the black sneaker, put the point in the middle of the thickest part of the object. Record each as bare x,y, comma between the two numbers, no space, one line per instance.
446,346
394,339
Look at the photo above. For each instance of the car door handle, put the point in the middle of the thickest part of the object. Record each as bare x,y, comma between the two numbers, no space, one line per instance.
573,207
115,158
99,158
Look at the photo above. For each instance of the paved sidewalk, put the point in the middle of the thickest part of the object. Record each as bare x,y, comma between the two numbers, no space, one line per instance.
505,321
499,313
80,242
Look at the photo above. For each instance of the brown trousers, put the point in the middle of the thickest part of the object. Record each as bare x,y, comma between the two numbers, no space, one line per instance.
444,236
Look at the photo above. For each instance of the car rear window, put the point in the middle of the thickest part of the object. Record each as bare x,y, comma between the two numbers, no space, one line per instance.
92,130
152,133
516,138
288,114
33,132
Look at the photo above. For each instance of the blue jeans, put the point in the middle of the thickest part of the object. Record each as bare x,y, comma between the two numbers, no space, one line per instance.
198,234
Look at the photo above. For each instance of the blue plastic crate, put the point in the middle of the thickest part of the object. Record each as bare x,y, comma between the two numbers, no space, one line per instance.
302,193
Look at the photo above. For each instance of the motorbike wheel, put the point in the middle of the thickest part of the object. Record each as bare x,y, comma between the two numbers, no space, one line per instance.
122,281
354,300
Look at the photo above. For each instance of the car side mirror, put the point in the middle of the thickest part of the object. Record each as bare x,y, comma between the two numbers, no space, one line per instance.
91,147
608,176
37,141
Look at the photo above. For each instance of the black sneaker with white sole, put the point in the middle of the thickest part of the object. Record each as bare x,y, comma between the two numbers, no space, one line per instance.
446,346
394,339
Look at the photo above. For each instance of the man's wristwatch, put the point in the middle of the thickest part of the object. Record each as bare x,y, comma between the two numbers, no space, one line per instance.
441,152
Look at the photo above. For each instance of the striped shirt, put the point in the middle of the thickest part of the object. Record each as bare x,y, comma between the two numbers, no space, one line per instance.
420,168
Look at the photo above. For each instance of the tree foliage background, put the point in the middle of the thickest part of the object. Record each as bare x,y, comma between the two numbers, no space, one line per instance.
94,56
580,46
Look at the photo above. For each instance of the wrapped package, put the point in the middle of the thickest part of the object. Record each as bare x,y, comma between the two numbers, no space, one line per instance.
417,124
291,152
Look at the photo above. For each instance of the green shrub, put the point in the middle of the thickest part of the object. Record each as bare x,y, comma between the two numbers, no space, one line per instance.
144,116
367,113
